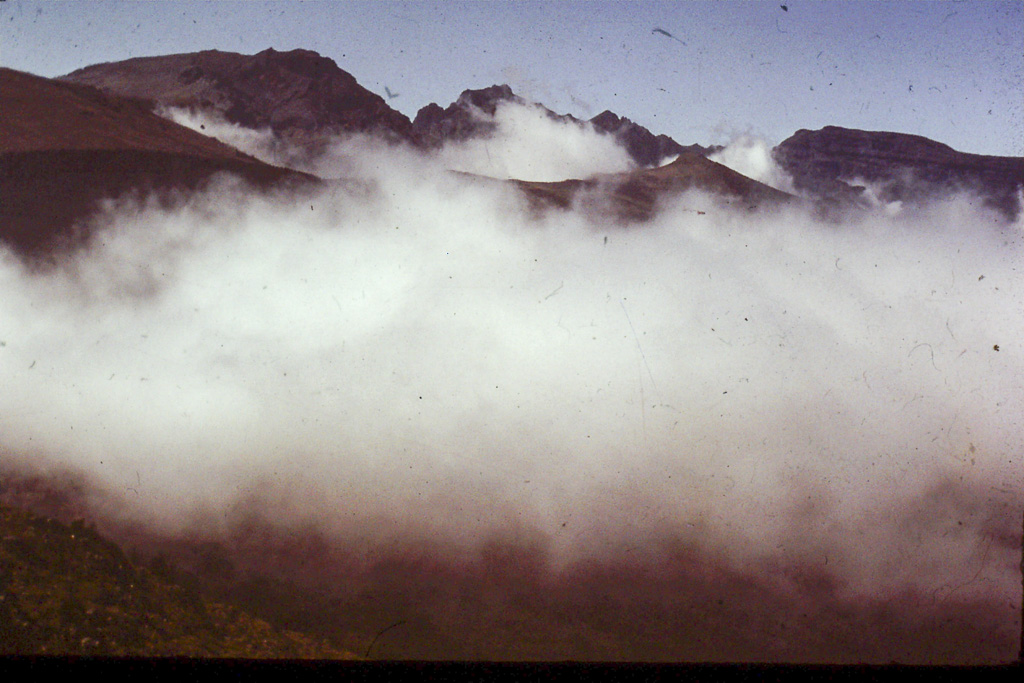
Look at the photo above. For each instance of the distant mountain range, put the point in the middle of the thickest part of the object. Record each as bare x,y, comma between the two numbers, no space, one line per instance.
92,134
305,98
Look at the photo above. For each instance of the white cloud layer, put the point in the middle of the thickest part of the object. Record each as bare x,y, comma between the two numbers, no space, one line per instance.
422,359
752,156
526,144
529,145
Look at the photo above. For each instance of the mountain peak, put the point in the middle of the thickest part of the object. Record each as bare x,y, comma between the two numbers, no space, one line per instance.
487,99
433,126
608,120
298,94
646,148
302,62
461,121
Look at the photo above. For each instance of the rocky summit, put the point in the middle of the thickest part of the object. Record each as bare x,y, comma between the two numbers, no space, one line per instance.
463,119
297,94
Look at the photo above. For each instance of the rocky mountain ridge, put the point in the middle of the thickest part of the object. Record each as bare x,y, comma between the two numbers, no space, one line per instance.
836,164
637,195
467,118
306,98
298,94
91,135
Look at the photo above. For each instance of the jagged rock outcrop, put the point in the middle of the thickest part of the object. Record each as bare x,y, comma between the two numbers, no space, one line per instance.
470,116
646,148
467,118
462,119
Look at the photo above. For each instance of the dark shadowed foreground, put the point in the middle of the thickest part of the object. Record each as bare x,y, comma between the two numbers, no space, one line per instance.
670,601
67,590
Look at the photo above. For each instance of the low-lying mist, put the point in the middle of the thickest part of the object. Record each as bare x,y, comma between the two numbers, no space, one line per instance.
419,359
752,157
524,143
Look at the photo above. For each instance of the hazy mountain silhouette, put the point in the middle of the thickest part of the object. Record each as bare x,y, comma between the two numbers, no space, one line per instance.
306,99
635,196
831,164
92,134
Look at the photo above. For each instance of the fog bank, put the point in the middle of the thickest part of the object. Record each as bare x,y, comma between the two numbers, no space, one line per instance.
423,361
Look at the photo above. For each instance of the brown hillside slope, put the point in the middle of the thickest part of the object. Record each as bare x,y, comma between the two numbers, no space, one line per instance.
635,196
64,147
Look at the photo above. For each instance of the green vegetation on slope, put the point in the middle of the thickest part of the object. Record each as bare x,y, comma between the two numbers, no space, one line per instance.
64,589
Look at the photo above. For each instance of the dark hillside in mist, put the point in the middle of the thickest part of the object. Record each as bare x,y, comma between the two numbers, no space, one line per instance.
65,589
65,147
829,163
636,196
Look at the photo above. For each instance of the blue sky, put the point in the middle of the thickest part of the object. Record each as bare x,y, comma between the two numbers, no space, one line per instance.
952,71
